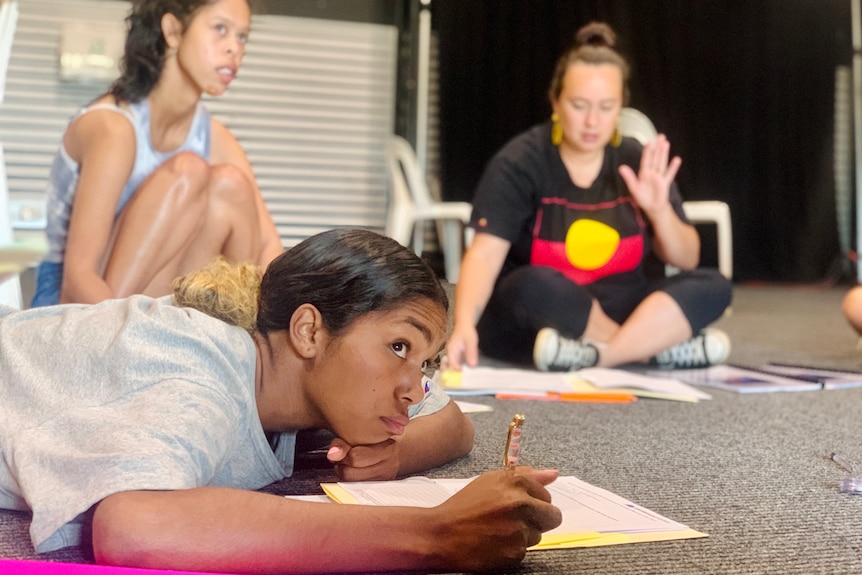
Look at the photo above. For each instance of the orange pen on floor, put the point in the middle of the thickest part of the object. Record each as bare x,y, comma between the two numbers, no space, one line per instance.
583,397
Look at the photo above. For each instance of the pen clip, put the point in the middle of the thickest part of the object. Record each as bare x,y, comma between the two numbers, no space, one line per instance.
843,462
513,441
853,483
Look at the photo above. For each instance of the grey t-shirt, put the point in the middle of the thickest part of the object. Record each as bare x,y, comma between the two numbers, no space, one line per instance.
126,395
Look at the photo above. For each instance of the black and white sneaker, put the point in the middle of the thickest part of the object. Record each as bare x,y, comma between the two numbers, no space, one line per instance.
710,347
553,352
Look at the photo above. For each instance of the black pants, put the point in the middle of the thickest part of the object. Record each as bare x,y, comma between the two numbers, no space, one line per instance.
533,297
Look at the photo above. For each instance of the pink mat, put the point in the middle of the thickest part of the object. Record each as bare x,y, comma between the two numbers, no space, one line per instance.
14,567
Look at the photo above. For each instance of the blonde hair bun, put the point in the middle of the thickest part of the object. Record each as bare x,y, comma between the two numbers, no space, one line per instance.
226,291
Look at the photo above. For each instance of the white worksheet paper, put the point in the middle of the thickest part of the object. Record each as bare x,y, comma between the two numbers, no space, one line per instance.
585,507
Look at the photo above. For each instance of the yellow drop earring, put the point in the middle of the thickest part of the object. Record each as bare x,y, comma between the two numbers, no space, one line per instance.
556,130
617,137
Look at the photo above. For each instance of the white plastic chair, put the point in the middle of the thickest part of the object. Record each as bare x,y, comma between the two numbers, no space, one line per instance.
411,205
636,124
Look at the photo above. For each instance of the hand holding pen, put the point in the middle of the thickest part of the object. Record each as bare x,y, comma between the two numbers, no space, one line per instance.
490,523
498,515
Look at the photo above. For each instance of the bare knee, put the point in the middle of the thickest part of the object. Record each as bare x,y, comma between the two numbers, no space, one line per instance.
852,308
190,166
179,182
227,183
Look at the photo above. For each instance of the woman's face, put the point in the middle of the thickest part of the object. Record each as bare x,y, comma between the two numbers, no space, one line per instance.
367,377
589,105
213,45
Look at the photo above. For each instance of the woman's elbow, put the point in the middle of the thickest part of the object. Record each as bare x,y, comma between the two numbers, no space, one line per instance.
684,257
465,437
119,533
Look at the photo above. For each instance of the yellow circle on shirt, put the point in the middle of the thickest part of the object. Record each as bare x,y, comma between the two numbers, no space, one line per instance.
591,244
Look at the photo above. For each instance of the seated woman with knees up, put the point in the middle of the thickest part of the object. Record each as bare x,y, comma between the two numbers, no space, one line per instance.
147,185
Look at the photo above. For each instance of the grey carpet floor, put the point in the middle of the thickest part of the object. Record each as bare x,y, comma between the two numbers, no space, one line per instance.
752,471
790,324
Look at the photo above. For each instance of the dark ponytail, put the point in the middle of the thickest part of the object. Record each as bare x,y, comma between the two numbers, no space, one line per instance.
344,273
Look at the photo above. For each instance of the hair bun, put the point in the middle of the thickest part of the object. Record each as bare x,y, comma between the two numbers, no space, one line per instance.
596,34
225,291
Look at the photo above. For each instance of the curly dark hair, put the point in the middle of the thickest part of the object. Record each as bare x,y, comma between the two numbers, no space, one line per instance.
144,54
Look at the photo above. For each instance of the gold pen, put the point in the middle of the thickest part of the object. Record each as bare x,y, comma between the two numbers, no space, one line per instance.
513,441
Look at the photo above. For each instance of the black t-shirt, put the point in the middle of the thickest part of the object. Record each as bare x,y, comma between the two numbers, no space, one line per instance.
591,235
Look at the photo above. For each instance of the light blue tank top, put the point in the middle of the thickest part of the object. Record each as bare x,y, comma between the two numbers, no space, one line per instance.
63,179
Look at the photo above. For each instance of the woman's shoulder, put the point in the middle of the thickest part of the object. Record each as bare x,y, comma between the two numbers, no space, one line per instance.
219,131
101,124
163,319
534,138
528,147
109,106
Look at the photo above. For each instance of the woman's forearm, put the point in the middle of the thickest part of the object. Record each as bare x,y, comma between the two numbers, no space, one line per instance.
676,242
479,270
488,524
84,288
220,529
432,440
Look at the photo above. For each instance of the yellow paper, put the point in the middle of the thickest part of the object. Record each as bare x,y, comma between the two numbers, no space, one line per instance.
585,539
450,378
338,494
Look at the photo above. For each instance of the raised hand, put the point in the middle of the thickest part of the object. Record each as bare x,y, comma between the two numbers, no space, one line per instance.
650,187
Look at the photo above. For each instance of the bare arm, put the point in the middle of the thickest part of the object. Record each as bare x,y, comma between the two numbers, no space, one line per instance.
479,270
103,143
227,150
428,441
676,242
432,440
488,524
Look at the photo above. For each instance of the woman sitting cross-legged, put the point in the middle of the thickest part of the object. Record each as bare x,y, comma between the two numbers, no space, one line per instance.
566,216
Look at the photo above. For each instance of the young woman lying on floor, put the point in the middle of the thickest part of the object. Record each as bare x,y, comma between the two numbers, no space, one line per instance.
155,419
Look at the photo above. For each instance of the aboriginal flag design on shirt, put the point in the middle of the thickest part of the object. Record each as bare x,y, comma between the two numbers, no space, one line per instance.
587,242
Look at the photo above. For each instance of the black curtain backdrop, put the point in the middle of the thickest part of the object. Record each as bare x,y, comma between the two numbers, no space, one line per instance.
744,90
